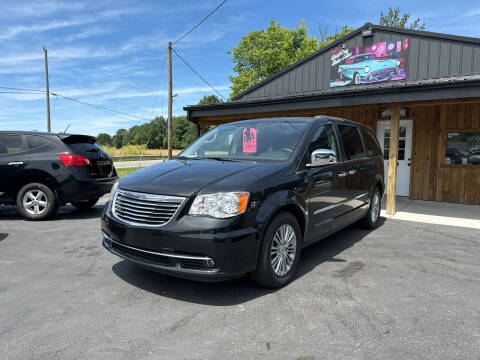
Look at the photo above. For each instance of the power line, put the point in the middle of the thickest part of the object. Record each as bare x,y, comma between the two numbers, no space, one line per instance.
22,89
38,92
20,92
100,107
200,76
200,23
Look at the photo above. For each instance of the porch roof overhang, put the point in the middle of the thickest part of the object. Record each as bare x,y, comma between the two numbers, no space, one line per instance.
386,93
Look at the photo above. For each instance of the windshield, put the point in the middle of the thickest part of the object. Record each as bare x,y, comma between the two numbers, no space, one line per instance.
266,140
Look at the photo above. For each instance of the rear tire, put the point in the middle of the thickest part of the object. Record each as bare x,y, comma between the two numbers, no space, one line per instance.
85,204
371,219
36,201
280,252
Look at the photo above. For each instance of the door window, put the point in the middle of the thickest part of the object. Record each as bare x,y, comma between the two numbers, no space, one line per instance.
10,144
371,143
323,138
352,142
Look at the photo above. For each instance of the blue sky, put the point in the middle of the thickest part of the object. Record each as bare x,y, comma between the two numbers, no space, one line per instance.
112,53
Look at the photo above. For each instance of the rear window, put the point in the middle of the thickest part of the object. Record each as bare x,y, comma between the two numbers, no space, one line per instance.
371,143
10,144
352,142
74,139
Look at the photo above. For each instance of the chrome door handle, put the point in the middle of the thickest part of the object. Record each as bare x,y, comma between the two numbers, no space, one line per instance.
16,163
342,174
352,172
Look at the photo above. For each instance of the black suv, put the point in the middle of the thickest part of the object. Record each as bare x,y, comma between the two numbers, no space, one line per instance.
246,198
42,171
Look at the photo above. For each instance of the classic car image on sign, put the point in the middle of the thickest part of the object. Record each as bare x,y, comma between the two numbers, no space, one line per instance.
379,62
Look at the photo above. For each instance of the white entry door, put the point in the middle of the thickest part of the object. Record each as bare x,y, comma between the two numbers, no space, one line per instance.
404,153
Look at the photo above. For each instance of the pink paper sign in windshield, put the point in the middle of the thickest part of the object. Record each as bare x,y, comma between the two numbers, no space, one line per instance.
249,140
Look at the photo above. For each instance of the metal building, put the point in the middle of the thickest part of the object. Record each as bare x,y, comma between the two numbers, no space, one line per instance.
420,91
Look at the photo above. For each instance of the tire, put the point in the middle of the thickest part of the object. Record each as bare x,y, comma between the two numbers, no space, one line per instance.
371,219
36,201
265,274
356,78
85,204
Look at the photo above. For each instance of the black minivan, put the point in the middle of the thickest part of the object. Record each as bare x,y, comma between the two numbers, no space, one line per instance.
247,197
41,171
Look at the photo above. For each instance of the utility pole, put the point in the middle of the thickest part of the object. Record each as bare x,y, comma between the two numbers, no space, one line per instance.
48,89
170,101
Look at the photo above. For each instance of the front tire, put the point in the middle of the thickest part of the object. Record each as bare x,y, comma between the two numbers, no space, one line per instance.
280,252
85,204
371,219
36,201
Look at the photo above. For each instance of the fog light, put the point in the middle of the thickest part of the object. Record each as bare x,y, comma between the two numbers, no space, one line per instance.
210,263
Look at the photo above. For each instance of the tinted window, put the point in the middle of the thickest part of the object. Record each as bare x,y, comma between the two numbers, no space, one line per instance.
323,138
352,142
35,141
10,144
371,143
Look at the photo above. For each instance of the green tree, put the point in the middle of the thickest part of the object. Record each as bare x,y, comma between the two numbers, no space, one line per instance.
262,53
210,99
119,138
184,132
104,139
393,18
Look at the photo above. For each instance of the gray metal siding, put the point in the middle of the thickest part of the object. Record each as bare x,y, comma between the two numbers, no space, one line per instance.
428,58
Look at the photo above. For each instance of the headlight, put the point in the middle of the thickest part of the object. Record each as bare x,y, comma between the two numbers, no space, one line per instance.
114,189
367,69
221,205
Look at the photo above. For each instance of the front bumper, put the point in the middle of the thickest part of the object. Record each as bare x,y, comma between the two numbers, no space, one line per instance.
197,248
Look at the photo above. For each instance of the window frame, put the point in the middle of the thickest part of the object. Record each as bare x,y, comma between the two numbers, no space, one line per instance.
339,136
23,141
443,143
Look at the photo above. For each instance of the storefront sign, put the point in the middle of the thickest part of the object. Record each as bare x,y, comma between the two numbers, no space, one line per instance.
383,61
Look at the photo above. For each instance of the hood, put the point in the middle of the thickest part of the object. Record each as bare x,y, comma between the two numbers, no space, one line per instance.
189,177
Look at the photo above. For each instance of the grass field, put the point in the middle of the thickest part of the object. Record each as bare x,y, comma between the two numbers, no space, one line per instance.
124,171
137,150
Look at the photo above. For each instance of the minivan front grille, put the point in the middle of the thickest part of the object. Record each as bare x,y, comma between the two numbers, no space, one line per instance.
145,209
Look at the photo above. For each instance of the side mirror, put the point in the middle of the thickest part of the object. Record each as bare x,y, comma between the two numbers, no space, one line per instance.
322,157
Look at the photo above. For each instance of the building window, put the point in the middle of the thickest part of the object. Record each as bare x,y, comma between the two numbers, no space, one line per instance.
463,148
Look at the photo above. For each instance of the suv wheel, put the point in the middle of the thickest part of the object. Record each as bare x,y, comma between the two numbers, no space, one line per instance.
370,221
36,201
280,252
85,204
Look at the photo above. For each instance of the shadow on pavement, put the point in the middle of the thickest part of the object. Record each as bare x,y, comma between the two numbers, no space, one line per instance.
64,213
3,236
240,290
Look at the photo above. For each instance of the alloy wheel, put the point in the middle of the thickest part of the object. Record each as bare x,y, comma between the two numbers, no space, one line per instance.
375,207
283,250
35,202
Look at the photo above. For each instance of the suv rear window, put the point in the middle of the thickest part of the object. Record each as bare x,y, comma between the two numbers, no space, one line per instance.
352,142
371,143
10,144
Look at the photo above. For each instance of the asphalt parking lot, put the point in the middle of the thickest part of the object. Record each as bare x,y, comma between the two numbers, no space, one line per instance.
404,291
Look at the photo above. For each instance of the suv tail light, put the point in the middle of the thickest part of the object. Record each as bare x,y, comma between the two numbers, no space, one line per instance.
74,160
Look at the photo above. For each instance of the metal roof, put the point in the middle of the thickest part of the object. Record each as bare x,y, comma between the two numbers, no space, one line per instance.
435,61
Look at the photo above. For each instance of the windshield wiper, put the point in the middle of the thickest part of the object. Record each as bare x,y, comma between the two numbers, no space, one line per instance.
217,158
